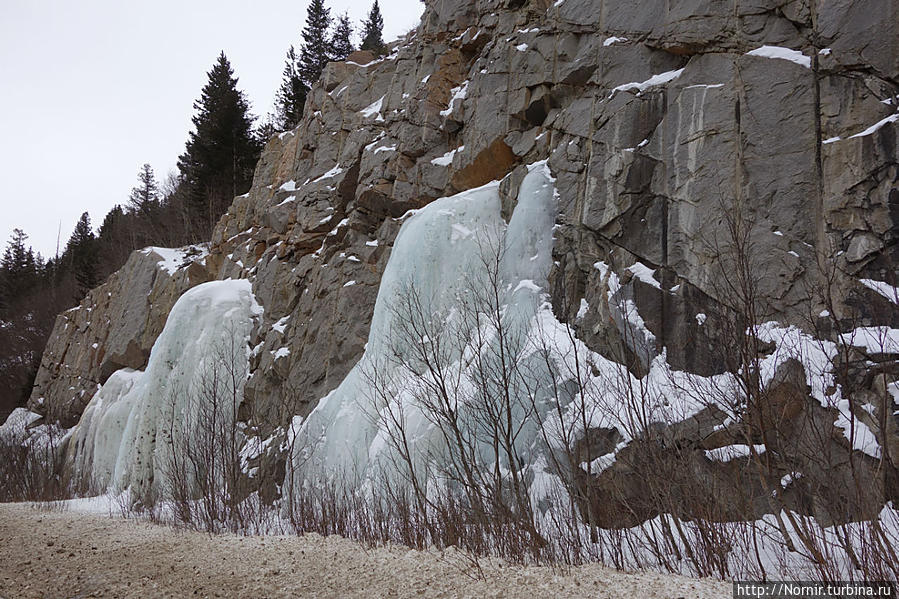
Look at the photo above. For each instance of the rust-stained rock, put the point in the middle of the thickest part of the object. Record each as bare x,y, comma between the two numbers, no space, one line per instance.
491,164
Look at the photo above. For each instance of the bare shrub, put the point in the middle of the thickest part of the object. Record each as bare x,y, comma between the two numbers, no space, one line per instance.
32,468
204,483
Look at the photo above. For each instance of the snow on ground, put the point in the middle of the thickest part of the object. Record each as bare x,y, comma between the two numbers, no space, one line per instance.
62,553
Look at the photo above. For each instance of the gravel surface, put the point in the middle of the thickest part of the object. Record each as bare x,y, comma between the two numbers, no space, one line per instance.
70,554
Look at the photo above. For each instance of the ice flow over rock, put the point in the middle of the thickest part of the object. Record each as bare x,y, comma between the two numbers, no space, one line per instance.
442,262
126,436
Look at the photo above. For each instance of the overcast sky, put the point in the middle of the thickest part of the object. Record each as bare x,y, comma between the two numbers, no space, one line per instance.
91,90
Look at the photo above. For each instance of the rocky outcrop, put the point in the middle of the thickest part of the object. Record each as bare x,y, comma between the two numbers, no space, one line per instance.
113,327
690,144
701,468
656,124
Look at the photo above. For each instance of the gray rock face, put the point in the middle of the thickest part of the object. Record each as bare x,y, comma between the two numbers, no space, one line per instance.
674,131
114,327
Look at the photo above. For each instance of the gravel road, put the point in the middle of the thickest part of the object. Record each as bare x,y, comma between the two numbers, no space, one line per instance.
69,554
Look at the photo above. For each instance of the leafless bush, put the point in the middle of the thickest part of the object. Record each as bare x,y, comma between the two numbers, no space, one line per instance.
32,468
465,373
204,483
822,494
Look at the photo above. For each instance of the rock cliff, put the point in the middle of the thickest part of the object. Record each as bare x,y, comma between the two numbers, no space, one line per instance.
686,139
113,327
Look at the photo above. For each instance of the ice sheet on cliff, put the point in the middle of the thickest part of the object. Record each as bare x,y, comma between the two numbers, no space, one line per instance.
438,250
125,436
440,253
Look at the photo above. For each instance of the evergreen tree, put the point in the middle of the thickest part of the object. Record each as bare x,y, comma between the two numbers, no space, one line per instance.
341,44
145,196
267,127
19,270
17,260
113,221
315,52
25,321
291,95
81,250
221,152
371,31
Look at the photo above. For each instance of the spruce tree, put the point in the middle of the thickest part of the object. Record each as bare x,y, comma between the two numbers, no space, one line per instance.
315,52
371,31
145,196
19,270
291,95
221,151
17,260
341,44
268,126
81,250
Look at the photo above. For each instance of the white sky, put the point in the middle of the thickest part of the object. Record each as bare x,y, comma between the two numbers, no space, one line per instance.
91,90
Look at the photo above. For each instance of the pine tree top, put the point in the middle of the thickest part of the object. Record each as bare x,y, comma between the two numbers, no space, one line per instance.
144,195
83,233
372,29
315,53
341,42
15,257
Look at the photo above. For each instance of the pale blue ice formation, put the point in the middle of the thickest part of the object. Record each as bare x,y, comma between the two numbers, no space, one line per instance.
127,431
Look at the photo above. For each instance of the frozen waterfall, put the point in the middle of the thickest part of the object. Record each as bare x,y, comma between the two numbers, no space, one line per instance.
461,292
465,362
127,433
